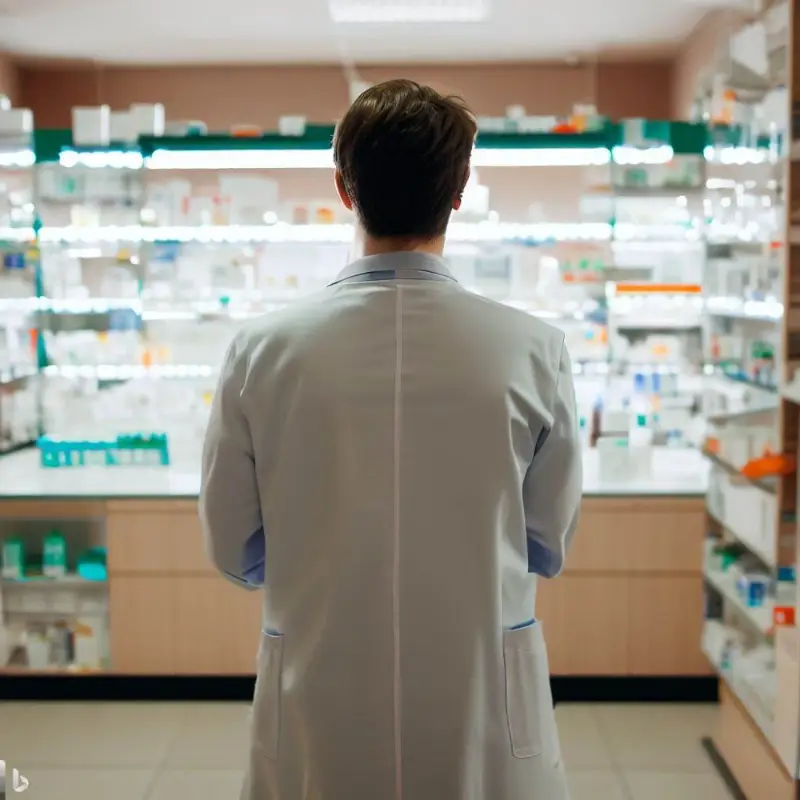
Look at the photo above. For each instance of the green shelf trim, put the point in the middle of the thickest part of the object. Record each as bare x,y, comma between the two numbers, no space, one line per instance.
316,137
685,138
737,136
544,141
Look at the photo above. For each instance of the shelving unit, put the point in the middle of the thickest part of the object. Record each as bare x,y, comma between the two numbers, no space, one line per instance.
753,350
20,412
227,251
183,285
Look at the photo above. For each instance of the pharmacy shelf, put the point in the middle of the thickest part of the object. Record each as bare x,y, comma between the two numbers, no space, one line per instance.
768,485
731,379
791,392
759,617
756,708
675,473
123,372
768,559
17,158
681,138
738,308
461,232
44,582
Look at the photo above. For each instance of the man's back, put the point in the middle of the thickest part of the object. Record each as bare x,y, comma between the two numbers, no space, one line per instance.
391,461
394,420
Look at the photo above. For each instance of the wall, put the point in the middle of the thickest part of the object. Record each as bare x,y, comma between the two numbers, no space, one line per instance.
8,77
222,96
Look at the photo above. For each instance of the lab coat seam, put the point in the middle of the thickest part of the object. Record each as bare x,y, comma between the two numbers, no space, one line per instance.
398,421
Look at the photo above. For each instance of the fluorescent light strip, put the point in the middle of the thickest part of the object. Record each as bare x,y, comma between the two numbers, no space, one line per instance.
16,234
70,305
240,159
130,371
630,156
406,11
555,157
754,309
466,232
17,158
458,232
109,159
323,159
736,155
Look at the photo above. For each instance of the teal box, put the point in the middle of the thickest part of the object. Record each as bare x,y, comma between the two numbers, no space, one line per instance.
13,559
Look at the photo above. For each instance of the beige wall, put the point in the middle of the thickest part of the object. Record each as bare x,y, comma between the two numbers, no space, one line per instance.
222,96
8,77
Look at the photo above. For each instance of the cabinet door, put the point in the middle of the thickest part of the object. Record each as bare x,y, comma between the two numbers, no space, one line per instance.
625,535
141,625
585,624
666,625
217,627
161,538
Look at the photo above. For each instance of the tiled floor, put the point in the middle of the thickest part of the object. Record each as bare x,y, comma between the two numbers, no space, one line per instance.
142,751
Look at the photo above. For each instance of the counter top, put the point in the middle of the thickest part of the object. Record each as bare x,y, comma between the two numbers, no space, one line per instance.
675,473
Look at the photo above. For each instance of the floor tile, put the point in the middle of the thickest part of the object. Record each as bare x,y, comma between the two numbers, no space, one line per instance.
662,737
93,784
582,742
197,785
105,735
596,785
661,786
211,736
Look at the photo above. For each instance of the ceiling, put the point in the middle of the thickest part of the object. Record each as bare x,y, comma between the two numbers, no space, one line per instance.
276,31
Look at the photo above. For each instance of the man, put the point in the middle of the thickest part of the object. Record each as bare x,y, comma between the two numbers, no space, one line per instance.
394,460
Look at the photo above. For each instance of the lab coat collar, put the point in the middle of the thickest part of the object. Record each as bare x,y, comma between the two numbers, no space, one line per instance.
397,266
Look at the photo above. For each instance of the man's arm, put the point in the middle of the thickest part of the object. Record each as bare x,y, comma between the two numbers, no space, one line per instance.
554,482
230,512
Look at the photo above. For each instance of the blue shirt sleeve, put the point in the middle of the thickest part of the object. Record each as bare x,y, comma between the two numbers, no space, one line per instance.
253,560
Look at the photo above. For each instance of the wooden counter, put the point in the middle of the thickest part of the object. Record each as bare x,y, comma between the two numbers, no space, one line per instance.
629,603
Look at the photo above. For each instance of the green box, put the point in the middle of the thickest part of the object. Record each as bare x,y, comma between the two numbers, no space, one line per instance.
13,559
54,557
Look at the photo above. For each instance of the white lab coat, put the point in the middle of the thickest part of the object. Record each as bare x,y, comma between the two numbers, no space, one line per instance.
410,451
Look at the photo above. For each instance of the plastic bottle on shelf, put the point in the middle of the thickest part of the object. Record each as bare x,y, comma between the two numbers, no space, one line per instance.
640,440
639,403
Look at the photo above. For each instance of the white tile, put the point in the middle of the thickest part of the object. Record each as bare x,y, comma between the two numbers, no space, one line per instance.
197,785
79,784
665,786
212,736
582,742
108,735
596,785
660,737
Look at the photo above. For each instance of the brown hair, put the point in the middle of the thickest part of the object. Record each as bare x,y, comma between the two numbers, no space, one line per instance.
403,152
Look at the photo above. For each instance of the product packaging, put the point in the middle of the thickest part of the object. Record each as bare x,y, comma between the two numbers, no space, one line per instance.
13,559
54,560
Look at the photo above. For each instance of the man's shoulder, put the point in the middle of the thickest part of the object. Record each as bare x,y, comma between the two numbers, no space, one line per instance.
518,322
282,322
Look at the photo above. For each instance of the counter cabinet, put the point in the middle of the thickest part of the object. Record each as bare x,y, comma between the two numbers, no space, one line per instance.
629,603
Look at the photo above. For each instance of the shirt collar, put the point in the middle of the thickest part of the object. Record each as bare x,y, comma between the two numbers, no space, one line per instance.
402,264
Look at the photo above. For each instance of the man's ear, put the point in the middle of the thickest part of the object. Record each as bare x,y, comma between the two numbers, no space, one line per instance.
460,195
341,191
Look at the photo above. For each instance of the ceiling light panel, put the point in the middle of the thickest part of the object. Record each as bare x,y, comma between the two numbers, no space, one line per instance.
400,11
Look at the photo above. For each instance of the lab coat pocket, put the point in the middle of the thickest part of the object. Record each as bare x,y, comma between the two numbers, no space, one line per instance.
266,721
529,702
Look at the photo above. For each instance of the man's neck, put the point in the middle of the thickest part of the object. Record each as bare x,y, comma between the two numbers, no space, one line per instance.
370,246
